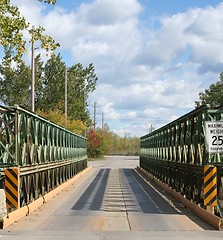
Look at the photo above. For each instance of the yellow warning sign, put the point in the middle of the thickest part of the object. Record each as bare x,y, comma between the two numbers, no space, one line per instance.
210,186
12,187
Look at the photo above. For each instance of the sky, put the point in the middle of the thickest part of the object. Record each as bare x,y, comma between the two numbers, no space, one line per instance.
152,57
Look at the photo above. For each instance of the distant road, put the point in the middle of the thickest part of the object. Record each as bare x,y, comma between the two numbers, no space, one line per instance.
111,202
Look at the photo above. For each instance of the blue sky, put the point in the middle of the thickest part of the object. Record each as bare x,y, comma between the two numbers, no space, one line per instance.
158,7
161,7
152,57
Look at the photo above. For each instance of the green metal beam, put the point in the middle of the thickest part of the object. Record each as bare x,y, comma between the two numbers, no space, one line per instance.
45,153
176,152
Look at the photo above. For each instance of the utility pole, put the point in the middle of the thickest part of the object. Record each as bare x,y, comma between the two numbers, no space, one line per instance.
102,121
33,77
65,96
94,115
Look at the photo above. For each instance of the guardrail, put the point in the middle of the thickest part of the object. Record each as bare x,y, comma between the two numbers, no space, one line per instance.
36,155
177,153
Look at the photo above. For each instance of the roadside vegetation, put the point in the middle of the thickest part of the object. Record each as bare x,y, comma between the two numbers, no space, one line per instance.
105,142
213,95
16,38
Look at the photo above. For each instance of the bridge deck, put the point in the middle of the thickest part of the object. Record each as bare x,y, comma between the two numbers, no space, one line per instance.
111,202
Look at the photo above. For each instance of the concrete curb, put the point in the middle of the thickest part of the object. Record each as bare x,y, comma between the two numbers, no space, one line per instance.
26,210
214,220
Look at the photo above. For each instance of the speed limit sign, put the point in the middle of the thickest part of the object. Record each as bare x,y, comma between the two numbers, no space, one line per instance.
214,136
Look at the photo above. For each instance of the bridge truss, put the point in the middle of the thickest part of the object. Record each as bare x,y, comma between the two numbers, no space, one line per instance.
176,154
36,155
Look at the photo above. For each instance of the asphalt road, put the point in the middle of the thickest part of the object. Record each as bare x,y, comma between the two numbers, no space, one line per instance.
111,202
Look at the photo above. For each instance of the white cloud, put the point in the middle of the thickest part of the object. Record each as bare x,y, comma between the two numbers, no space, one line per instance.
31,10
109,12
146,75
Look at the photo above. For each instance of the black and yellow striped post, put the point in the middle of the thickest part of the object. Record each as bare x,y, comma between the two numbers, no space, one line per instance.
210,187
12,188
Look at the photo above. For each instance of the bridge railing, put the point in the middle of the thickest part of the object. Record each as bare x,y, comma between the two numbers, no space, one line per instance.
183,140
44,154
176,153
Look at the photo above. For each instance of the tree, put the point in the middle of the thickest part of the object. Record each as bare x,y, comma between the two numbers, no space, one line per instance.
15,84
81,81
49,85
94,145
53,85
12,26
103,141
57,117
213,95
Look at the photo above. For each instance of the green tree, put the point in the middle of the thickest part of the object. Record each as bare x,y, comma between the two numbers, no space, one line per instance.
53,85
81,81
12,26
15,84
49,86
212,96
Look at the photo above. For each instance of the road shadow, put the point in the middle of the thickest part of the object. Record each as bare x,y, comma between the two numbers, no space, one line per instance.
92,198
175,204
146,199
139,197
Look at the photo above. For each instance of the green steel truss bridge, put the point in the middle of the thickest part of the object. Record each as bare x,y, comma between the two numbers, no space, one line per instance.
187,155
36,156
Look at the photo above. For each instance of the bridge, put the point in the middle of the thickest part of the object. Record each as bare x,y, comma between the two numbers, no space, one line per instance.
52,191
35,156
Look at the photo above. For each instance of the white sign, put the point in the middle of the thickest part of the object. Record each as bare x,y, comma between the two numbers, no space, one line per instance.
214,136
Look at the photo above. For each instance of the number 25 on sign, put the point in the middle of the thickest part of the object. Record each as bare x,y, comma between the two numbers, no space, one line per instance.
214,136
